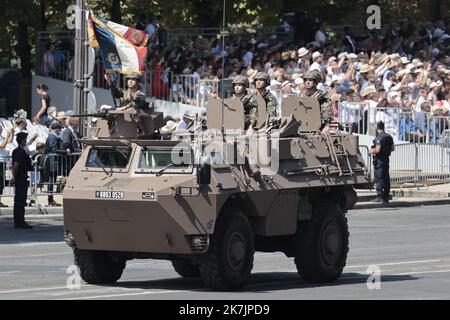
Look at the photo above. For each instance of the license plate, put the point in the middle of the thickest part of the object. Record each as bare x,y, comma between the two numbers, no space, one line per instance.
109,194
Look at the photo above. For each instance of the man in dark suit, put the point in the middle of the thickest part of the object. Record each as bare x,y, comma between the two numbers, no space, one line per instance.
53,163
21,166
71,141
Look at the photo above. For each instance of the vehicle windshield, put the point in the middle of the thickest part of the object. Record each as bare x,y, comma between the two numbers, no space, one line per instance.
161,160
109,157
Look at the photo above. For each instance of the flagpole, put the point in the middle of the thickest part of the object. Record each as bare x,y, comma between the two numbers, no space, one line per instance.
80,92
223,66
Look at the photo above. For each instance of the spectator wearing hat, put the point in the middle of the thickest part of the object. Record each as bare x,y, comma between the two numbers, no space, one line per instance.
317,62
187,121
21,164
54,164
381,149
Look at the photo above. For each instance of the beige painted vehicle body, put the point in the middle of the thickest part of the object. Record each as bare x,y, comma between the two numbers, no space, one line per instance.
209,218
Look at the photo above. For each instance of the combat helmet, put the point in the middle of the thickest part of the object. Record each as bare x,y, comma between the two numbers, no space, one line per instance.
241,80
313,75
264,76
135,76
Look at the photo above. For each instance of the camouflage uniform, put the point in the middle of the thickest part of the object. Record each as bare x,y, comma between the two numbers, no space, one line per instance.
269,98
325,103
129,98
248,101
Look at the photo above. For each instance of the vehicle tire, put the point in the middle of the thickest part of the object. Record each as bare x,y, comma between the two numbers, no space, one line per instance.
186,268
229,260
97,267
321,244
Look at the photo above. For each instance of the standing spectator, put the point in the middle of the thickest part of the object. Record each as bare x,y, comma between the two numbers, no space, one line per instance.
53,148
21,165
349,41
21,127
141,23
320,36
71,141
37,158
382,147
42,91
48,63
3,154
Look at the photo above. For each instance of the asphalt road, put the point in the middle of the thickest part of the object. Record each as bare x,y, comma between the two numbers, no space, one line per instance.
410,246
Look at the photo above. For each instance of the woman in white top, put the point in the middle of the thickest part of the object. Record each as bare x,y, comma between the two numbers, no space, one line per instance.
3,154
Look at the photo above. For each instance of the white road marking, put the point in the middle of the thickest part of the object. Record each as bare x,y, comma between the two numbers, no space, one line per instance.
394,263
420,272
32,244
125,294
39,289
9,272
36,255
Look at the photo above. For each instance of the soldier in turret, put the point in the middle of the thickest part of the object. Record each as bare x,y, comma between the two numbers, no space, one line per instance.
312,79
240,86
262,80
131,97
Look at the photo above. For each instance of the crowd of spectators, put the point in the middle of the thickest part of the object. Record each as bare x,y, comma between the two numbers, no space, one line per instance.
402,74
405,67
52,143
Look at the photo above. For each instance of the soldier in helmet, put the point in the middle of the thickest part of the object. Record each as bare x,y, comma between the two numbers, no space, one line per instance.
312,79
132,97
240,86
262,80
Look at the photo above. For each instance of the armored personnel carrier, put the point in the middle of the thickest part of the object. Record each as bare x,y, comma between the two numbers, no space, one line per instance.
203,200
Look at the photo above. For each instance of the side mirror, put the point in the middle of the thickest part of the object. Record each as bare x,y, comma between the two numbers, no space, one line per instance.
204,174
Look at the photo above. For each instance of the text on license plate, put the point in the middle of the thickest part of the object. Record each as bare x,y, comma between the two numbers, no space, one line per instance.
109,194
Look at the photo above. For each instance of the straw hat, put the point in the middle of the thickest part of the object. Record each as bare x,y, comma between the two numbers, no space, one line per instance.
169,127
402,72
364,68
367,90
404,60
302,52
189,115
251,73
316,55
342,55
392,64
285,83
61,115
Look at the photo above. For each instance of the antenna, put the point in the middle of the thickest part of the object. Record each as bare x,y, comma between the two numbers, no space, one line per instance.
223,65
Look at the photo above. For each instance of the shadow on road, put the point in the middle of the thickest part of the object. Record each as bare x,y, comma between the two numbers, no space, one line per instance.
259,282
42,232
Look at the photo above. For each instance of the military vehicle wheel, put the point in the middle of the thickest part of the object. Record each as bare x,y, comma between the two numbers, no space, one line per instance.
186,268
96,267
229,260
321,244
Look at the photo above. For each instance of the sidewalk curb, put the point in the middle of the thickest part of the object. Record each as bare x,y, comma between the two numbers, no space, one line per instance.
401,204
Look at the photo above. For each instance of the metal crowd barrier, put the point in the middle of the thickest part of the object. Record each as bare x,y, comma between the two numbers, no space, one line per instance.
420,163
50,173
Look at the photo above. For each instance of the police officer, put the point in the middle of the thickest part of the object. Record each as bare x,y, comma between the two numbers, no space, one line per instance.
382,147
132,97
312,79
21,165
262,80
240,86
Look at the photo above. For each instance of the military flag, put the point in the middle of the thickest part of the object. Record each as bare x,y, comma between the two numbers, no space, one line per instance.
123,49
